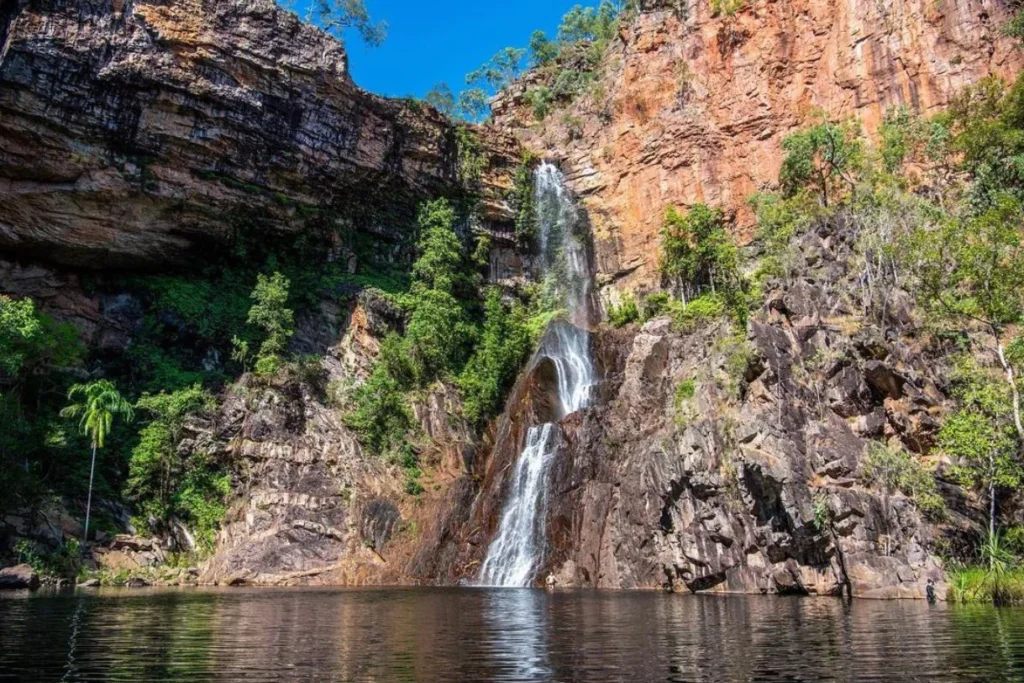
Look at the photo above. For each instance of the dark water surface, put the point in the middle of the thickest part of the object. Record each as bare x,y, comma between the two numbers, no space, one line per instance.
499,635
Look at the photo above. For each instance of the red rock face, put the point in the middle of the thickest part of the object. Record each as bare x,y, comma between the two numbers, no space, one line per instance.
693,108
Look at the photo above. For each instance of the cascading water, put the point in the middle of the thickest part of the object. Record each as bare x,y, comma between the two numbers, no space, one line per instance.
516,552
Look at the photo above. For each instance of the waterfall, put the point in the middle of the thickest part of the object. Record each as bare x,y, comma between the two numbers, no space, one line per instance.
517,550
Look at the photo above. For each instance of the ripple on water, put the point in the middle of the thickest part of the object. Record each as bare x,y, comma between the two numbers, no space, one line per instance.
500,635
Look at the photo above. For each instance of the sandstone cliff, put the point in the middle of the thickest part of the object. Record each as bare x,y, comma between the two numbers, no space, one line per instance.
132,132
692,107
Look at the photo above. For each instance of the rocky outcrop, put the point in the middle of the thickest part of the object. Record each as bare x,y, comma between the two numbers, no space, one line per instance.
692,107
726,459
132,132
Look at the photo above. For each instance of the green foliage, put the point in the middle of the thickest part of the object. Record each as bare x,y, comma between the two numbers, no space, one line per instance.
686,390
501,71
19,326
825,157
64,562
972,268
472,161
987,121
702,310
590,24
270,314
697,252
1014,28
441,98
504,346
381,415
626,312
655,305
438,338
999,581
728,8
100,404
524,202
906,136
167,485
338,16
894,469
30,340
540,99
822,513
473,104
980,435
543,50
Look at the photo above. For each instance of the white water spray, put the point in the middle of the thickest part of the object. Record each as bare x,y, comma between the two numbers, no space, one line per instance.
517,550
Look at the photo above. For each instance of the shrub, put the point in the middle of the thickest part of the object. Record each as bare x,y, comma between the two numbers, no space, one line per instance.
504,345
626,312
701,310
697,252
894,469
686,390
825,157
269,313
381,415
167,484
654,305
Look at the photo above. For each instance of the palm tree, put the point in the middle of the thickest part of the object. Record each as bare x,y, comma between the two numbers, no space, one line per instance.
100,402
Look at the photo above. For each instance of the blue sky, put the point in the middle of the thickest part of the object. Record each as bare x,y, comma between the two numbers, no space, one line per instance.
430,41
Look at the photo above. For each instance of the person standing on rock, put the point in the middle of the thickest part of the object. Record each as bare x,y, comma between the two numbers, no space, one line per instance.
929,592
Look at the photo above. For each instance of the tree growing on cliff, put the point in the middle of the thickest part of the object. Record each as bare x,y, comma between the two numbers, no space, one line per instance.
969,270
504,344
824,157
697,253
442,98
338,16
543,50
500,71
169,488
981,435
100,404
270,313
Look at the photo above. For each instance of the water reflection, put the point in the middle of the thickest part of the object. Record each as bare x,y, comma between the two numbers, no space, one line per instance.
503,635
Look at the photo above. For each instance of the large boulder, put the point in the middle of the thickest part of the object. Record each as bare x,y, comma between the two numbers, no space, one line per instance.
19,577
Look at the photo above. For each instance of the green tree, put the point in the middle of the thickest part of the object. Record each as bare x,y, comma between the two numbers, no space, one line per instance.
591,24
440,97
381,416
971,270
501,71
269,313
100,404
166,484
697,252
980,434
504,345
439,333
473,104
19,328
338,16
825,157
543,50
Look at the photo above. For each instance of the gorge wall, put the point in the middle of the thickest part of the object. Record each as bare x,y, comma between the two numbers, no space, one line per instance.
692,107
